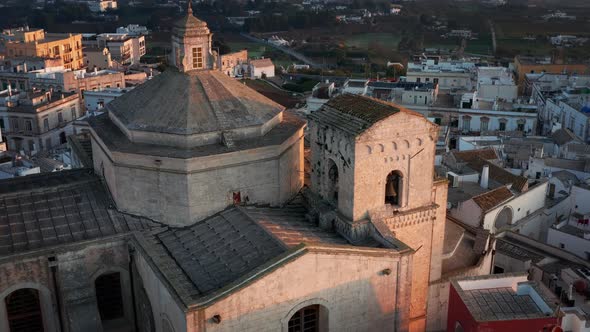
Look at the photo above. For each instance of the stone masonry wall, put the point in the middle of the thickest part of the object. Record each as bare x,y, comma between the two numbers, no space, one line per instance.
346,286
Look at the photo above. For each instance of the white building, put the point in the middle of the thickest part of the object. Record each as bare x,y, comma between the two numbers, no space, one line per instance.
133,30
447,74
355,86
496,83
261,68
572,234
405,93
125,49
96,100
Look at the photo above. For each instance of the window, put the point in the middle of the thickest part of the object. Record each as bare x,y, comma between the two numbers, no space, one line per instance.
48,143
393,188
14,122
498,269
23,310
333,182
466,123
562,245
502,125
60,117
197,57
74,115
46,124
484,124
108,296
305,320
29,125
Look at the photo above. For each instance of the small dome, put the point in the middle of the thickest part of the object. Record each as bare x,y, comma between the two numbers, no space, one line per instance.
190,23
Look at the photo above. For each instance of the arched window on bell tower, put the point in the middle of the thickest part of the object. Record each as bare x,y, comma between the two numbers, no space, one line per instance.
394,188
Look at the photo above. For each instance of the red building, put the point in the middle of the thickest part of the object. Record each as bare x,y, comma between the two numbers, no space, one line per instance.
499,302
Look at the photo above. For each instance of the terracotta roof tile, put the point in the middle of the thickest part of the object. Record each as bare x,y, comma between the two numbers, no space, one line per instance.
499,174
261,63
493,198
466,156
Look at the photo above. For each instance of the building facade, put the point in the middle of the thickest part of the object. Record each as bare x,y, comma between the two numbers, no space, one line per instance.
37,43
37,121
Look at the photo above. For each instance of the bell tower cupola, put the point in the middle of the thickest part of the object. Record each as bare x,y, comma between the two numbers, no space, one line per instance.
191,44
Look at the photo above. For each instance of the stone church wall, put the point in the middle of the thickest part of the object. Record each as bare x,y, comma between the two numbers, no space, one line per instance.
179,192
166,312
346,286
77,268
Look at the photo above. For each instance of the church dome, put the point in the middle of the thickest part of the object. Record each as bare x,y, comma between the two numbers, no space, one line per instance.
194,108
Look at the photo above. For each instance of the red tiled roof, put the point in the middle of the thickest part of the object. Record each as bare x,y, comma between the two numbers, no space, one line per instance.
499,174
466,156
493,198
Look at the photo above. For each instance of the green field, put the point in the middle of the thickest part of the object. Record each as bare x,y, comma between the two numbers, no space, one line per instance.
255,50
363,41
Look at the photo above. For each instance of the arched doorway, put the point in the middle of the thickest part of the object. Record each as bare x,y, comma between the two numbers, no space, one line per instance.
305,320
108,296
333,187
393,188
503,218
23,310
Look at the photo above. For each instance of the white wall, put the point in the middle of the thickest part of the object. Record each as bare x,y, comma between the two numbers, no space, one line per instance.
572,243
522,205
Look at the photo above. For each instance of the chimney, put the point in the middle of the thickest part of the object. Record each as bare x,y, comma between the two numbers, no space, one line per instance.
485,174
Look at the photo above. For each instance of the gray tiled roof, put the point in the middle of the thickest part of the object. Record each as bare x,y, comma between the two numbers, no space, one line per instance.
215,252
58,208
194,102
499,304
116,140
353,113
516,250
290,225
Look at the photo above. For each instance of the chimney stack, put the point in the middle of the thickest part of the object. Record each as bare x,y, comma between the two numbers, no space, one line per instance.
485,174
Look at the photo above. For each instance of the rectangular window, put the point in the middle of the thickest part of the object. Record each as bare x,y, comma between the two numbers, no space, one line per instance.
74,115
197,57
466,124
60,117
46,124
502,125
14,122
29,125
484,126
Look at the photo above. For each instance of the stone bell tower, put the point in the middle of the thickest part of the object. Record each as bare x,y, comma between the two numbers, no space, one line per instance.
374,162
191,44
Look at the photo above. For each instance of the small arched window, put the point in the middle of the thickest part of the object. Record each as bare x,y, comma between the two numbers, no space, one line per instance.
305,320
393,188
333,181
23,310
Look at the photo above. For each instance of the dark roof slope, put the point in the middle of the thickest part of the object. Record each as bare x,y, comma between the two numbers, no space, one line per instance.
563,136
353,113
194,102
220,249
492,198
58,208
